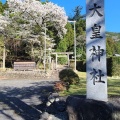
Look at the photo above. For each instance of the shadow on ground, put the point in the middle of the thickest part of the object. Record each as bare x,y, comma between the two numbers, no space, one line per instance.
24,101
29,102
20,108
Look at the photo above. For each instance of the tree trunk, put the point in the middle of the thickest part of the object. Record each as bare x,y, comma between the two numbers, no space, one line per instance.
32,51
4,57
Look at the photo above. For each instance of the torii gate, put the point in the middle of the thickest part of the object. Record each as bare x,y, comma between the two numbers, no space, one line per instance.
61,53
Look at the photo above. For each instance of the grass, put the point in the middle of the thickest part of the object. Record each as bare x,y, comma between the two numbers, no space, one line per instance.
76,89
113,87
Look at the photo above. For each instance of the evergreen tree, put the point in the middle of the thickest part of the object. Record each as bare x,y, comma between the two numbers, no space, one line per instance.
1,8
77,13
117,47
66,44
110,45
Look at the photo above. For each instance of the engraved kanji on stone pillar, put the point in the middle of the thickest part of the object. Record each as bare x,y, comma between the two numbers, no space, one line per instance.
96,51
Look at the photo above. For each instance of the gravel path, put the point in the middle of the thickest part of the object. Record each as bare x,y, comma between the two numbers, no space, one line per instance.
20,98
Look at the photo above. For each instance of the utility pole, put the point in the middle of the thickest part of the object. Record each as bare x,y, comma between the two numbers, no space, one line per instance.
74,43
45,50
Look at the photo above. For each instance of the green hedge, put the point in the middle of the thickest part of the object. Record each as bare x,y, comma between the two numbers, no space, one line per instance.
109,66
80,65
62,60
113,66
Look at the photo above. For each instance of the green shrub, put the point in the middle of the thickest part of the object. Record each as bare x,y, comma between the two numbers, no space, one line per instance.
69,76
62,60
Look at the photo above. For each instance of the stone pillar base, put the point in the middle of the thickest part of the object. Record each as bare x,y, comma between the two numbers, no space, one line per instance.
80,108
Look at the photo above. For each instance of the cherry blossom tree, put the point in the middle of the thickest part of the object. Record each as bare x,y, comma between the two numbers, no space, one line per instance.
37,13
24,16
4,21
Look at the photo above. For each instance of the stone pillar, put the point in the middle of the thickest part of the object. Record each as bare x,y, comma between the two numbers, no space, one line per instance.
96,50
56,61
68,60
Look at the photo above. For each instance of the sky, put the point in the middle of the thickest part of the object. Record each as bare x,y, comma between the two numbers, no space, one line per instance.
112,11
